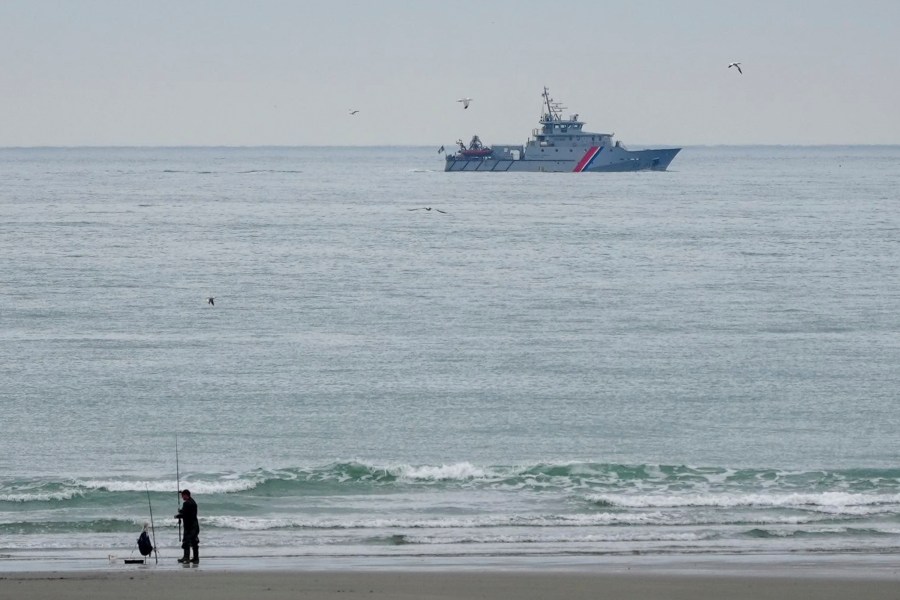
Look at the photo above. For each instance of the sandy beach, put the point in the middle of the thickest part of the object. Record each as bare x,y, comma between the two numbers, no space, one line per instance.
198,584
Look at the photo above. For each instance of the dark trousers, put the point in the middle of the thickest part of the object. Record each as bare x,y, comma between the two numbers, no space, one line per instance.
191,538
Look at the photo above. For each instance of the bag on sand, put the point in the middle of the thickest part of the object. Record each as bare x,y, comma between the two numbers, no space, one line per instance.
144,544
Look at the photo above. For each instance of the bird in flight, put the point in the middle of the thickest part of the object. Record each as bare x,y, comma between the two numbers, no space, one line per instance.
737,66
211,301
428,208
353,112
465,102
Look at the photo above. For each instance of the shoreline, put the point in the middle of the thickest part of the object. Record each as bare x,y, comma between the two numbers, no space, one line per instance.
885,566
779,561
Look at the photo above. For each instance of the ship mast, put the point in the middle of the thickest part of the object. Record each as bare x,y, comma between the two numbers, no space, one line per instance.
546,96
554,109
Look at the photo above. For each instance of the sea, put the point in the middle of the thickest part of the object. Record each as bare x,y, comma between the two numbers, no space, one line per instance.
405,366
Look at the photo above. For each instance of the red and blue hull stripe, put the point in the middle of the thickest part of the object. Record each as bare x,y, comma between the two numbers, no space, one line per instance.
587,159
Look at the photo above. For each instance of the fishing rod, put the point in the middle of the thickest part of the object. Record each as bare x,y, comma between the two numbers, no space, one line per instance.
178,485
152,526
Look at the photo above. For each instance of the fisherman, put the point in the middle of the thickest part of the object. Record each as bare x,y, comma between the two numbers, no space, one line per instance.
187,514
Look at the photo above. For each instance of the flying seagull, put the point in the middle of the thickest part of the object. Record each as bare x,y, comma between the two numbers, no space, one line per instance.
428,208
211,301
353,112
737,66
465,102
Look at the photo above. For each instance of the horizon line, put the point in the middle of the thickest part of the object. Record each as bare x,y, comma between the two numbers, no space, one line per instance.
285,146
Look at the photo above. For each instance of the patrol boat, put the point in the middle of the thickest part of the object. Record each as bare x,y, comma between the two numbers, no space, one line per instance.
559,145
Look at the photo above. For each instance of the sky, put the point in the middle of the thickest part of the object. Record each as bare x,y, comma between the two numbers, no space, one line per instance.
287,72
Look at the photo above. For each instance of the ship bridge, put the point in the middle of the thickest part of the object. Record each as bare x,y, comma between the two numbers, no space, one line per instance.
556,131
554,128
572,126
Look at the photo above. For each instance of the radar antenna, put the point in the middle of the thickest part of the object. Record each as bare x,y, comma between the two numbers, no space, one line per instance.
554,108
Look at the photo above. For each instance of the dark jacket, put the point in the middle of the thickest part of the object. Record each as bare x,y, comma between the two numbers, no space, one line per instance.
188,514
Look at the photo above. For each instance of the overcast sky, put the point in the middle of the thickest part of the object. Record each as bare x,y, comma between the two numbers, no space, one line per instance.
261,72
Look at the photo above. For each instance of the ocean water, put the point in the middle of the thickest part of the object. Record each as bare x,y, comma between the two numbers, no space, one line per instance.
704,361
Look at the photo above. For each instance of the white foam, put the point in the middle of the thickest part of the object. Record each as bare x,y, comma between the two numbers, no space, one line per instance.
836,501
453,472
66,494
222,486
415,522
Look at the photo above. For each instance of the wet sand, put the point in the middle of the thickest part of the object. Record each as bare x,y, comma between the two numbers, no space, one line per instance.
198,584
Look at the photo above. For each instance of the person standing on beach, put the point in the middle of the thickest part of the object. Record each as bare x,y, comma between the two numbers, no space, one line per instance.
187,514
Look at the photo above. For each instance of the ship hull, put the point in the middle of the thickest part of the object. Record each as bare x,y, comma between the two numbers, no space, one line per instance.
604,160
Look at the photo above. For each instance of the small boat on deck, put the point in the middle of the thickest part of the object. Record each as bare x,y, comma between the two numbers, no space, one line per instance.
475,148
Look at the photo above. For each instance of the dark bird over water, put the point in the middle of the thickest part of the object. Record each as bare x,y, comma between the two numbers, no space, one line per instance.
737,66
353,112
428,208
211,301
